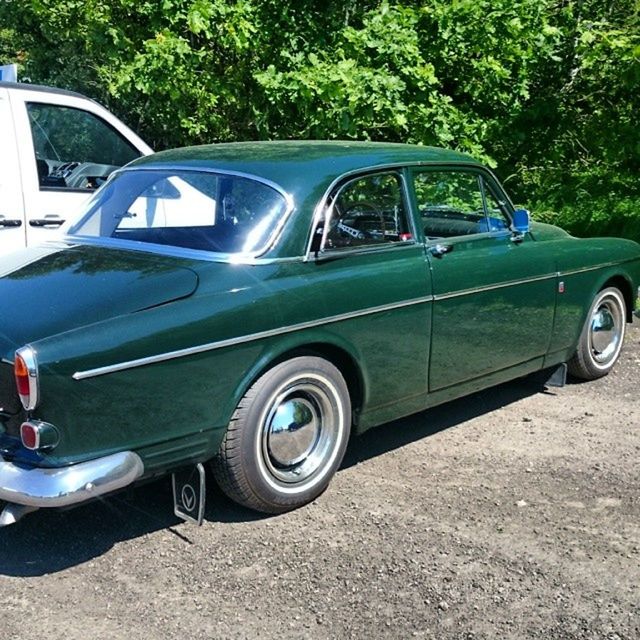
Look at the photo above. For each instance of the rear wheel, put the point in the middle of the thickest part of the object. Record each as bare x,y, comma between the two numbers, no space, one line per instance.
287,436
602,336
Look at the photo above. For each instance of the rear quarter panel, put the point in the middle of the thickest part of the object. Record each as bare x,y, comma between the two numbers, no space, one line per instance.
176,410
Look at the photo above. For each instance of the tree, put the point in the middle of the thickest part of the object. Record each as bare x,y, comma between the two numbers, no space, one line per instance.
545,90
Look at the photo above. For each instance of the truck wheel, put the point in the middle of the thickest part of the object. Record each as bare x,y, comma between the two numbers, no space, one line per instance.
602,336
287,437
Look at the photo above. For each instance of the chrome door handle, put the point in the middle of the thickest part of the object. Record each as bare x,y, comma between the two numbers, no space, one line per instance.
439,250
46,222
10,223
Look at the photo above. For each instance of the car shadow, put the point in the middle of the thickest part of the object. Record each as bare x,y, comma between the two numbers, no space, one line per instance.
49,541
399,433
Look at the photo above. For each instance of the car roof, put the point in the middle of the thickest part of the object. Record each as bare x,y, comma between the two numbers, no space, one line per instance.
304,169
24,86
299,165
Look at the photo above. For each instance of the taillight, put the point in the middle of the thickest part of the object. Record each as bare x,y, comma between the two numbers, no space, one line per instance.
29,436
36,435
26,372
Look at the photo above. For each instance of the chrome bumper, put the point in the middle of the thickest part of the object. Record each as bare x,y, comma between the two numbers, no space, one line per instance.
64,486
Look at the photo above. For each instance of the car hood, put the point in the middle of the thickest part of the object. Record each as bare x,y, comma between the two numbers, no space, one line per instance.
46,291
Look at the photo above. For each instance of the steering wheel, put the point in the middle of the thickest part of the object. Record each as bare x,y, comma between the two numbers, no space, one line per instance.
86,175
366,205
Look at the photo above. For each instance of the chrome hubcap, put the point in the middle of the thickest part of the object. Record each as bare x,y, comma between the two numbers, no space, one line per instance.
605,331
293,431
299,433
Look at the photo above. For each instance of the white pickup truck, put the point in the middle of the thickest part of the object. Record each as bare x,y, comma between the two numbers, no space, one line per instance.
56,147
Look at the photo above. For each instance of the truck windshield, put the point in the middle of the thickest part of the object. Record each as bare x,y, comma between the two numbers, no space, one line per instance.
216,212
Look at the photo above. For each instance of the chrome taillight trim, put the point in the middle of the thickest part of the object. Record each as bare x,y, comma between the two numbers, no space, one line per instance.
28,355
47,436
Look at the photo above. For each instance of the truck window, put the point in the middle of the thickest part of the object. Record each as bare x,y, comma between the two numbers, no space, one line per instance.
75,149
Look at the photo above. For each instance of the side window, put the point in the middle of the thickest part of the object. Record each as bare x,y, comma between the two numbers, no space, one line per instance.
73,148
367,211
452,203
497,217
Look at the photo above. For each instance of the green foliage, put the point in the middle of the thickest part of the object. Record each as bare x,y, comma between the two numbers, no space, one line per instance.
546,91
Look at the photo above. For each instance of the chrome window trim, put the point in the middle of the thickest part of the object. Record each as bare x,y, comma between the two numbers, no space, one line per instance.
469,237
491,186
494,187
175,252
212,256
332,254
363,171
252,337
348,178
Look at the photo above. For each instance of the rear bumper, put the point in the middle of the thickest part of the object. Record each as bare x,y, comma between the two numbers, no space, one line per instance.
64,486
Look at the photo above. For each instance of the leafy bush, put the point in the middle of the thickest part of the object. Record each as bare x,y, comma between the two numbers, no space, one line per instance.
546,91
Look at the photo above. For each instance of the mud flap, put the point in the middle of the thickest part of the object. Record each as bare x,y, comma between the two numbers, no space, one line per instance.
189,493
559,377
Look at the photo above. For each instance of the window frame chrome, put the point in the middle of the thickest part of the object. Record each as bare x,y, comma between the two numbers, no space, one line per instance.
487,183
326,206
212,256
404,168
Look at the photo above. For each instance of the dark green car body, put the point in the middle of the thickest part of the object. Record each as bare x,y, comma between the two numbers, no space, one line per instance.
147,349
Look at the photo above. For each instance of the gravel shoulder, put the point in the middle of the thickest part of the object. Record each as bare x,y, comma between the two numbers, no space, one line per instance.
513,513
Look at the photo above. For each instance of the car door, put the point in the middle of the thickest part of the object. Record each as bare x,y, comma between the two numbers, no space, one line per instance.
12,227
372,275
494,292
67,147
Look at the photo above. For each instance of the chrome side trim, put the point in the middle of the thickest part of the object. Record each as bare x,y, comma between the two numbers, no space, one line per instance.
604,265
491,287
221,344
64,486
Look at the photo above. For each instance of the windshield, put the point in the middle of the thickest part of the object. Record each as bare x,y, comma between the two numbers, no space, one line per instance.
191,209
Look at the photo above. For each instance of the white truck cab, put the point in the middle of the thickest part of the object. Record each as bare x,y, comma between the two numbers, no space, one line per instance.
56,148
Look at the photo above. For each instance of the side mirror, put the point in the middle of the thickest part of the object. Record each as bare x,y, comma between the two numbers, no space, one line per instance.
521,221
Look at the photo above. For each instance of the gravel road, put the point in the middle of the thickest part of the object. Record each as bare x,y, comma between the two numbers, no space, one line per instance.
514,513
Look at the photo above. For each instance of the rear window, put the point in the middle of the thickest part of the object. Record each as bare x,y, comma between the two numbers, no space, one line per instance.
195,210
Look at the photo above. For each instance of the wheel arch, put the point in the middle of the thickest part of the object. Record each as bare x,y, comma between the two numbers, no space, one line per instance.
623,284
340,354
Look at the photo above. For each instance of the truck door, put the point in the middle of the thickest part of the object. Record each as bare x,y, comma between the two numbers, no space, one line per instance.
12,223
67,146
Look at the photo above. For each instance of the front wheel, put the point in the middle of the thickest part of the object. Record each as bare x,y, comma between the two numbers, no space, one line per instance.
287,437
602,336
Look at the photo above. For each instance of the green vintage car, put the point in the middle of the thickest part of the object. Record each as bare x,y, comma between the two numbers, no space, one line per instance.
253,304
